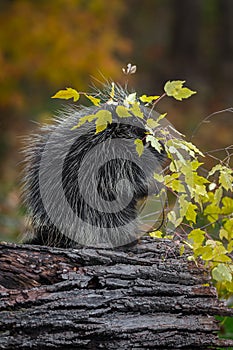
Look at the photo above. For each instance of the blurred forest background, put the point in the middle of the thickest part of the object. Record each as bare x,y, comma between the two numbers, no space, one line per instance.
46,46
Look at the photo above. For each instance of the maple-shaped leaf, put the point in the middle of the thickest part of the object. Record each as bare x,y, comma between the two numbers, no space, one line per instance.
175,89
154,143
222,273
122,112
135,109
103,118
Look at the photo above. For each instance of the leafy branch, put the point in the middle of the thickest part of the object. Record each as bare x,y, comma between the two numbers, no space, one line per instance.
202,217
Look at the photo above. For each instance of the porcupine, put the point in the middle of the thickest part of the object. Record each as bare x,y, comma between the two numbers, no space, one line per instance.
82,187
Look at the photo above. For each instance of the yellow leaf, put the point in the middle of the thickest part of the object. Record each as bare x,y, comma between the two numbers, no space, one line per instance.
122,112
151,123
175,89
158,177
139,146
191,213
66,94
229,286
182,249
222,258
112,92
103,118
94,100
161,116
83,120
229,226
177,186
230,247
224,234
205,252
135,109
197,236
148,99
156,234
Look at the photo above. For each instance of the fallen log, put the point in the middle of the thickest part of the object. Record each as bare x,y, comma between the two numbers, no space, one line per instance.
145,296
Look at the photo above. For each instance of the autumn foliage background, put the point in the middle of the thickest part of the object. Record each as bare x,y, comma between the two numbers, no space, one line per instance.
46,46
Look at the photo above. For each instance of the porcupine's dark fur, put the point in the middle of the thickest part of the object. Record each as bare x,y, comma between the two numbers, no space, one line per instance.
75,149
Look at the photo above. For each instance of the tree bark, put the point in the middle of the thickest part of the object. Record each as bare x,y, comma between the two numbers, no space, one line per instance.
141,297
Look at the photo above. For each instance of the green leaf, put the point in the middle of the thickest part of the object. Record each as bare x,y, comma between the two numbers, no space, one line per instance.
217,167
222,273
200,190
158,177
148,99
205,252
177,186
212,212
218,248
222,258
154,143
197,236
229,226
139,146
230,247
191,213
122,112
223,234
227,207
94,100
195,164
183,93
169,178
103,118
225,180
66,94
229,287
175,89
